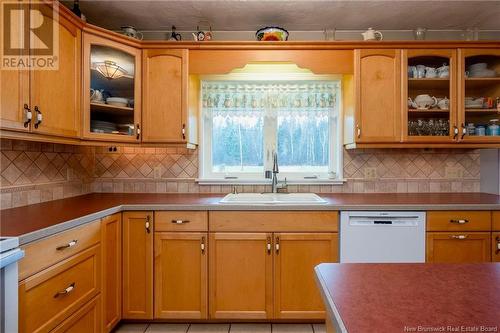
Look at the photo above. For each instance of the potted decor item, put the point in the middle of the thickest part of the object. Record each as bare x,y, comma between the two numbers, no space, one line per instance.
271,34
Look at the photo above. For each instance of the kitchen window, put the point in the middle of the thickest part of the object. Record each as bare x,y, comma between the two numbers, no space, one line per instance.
245,121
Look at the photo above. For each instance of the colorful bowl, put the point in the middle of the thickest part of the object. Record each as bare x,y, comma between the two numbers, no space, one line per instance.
271,34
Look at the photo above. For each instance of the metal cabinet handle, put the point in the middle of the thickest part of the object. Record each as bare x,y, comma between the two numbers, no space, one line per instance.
65,291
459,221
180,221
464,131
268,245
138,131
455,132
277,246
497,251
28,115
65,246
39,117
183,131
148,224
202,245
358,131
459,236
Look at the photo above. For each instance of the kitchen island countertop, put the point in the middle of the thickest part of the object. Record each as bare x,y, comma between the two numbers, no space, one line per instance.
411,297
41,220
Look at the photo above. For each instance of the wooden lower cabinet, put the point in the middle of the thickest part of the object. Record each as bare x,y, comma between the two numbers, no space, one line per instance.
296,295
111,243
137,265
49,297
495,247
86,320
458,247
241,276
181,283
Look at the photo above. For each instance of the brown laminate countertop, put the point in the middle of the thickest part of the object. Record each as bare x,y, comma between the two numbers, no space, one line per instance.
392,297
40,220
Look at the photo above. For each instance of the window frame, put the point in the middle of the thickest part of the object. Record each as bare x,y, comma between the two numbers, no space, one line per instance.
335,165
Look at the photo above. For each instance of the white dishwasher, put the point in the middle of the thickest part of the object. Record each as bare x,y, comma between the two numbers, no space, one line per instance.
382,237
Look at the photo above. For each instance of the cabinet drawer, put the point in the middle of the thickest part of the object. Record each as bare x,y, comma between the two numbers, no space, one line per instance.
458,247
87,319
459,221
279,221
496,221
49,297
46,252
181,221
495,247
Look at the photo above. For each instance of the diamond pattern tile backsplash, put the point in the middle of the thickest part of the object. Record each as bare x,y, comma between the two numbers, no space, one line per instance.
37,172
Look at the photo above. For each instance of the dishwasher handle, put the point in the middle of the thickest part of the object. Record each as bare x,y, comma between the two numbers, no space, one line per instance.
384,222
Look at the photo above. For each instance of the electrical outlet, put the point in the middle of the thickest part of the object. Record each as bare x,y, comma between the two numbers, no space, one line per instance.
69,174
453,172
157,172
370,173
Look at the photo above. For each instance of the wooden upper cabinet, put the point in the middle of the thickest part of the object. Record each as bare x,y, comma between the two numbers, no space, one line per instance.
50,95
111,69
424,74
478,82
111,244
165,87
181,283
296,294
241,276
55,94
458,247
378,95
137,265
14,99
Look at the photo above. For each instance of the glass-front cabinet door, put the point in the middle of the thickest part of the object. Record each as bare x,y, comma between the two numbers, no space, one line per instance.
112,90
479,97
429,101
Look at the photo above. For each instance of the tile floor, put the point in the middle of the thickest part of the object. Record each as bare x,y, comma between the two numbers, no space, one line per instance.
220,328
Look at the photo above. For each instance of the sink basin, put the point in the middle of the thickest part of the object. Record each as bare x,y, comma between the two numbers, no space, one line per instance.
273,198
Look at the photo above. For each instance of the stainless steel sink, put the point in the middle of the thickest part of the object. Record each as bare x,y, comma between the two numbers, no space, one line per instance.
273,198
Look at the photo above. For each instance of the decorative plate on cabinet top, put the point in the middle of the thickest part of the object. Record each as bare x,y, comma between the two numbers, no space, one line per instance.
271,34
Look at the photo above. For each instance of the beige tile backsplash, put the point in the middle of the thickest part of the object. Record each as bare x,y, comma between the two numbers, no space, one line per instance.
38,172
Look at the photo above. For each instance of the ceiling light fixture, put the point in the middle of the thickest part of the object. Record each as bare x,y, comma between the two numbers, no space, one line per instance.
109,69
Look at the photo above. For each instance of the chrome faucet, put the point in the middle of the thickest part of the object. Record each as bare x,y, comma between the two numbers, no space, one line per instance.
275,186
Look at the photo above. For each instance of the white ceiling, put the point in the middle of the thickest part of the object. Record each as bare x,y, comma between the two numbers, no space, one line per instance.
249,15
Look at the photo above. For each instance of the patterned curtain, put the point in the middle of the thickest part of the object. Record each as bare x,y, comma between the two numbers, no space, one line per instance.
296,100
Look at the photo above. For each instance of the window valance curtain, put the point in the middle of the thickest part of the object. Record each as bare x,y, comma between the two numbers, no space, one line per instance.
252,99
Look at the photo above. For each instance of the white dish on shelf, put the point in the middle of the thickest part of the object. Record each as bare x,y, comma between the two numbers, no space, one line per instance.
482,73
478,66
117,101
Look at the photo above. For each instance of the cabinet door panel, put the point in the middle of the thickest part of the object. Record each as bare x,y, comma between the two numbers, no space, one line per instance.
181,275
165,95
241,276
56,93
495,247
457,247
14,90
112,270
296,295
378,95
137,265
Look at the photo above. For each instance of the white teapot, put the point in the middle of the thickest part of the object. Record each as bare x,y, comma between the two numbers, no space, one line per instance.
422,102
371,34
443,103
